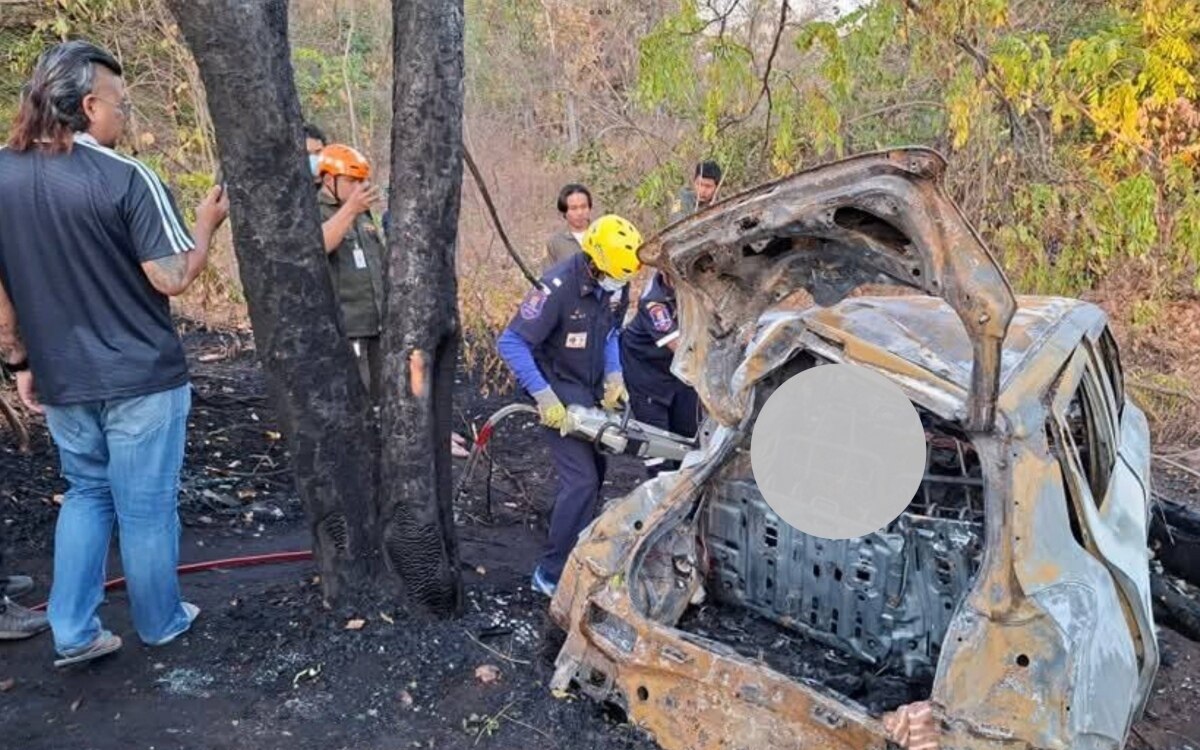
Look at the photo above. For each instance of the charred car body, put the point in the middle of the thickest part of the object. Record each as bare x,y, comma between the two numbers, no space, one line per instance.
1015,587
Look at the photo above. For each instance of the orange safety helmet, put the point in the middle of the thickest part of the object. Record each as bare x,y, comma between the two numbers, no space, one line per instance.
340,160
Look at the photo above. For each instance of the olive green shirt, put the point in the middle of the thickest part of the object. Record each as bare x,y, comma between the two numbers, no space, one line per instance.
559,247
357,269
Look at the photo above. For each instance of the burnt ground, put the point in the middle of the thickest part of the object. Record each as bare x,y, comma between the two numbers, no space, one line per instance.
267,667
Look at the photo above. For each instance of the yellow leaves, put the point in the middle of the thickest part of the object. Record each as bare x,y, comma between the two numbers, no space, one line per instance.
958,110
964,98
1121,108
823,122
783,144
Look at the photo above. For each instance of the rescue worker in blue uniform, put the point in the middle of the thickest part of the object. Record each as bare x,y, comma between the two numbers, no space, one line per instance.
563,345
648,345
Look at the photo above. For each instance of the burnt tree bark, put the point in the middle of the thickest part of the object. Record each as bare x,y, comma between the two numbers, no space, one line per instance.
241,47
422,330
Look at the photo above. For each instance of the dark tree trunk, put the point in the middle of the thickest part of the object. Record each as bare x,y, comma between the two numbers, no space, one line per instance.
422,331
241,47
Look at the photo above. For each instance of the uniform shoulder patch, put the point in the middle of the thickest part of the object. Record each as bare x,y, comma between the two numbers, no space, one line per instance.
660,316
531,306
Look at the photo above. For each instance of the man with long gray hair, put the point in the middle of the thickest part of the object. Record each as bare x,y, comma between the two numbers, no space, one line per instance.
93,245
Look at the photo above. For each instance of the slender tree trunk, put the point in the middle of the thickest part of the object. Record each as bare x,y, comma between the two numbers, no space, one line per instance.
572,124
241,48
422,331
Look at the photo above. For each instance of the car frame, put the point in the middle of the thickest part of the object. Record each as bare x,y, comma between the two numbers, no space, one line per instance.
1050,642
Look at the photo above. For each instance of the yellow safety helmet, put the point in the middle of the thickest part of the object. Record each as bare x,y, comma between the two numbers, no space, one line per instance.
612,244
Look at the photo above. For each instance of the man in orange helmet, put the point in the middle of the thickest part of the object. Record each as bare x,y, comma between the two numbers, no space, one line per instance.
355,248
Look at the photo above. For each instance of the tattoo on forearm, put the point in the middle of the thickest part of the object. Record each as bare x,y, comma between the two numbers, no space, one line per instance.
169,272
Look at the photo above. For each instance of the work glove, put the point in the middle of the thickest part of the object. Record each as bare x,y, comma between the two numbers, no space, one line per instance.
550,409
614,391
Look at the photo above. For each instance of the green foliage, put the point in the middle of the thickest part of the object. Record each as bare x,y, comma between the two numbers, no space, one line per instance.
1074,141
836,66
1126,219
602,171
666,74
320,82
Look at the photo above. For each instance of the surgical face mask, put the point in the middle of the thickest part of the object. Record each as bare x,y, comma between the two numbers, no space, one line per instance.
312,164
609,284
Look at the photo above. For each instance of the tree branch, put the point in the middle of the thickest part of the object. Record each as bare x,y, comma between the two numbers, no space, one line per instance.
766,80
346,79
988,72
491,208
718,18
917,104
764,90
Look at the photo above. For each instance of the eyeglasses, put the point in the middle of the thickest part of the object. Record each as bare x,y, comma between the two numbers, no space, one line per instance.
125,107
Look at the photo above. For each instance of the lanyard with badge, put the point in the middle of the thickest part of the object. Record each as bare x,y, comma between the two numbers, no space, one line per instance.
360,257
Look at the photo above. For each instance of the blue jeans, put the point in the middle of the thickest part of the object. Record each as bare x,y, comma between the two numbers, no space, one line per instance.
122,459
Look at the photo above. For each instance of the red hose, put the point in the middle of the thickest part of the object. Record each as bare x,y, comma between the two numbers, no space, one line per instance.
270,558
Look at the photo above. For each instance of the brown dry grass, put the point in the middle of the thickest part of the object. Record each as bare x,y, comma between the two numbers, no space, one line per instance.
490,287
1160,351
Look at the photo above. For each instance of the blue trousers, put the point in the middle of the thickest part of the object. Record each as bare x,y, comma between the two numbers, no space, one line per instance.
122,459
580,470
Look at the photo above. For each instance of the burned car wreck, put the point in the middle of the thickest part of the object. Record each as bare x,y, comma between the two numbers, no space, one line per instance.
1012,596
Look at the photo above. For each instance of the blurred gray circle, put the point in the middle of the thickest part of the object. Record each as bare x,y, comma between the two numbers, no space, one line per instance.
838,451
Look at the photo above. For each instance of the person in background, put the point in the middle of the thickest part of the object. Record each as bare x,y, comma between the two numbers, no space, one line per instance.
356,249
563,345
354,245
706,181
93,245
648,346
575,205
314,141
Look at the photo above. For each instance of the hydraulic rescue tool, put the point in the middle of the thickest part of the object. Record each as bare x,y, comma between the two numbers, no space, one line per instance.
611,433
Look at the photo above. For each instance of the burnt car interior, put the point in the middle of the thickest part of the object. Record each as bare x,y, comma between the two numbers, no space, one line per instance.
865,617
